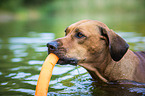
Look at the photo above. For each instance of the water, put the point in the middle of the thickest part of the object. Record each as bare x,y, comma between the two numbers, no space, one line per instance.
22,52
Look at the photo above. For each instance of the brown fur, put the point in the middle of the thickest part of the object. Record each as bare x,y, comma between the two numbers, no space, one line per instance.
103,53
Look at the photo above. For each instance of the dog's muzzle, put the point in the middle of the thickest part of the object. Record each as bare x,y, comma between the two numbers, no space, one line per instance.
56,48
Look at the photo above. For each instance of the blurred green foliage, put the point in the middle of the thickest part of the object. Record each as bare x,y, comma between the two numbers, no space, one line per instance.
10,5
75,5
15,5
56,15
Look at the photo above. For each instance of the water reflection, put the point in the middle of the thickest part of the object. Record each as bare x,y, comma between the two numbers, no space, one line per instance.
135,40
22,57
137,90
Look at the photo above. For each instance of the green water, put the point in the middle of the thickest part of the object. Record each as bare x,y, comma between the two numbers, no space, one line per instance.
23,50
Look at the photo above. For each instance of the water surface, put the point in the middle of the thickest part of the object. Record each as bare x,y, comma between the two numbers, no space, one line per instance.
22,52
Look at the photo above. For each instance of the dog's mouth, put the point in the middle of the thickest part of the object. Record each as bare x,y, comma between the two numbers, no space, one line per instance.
64,61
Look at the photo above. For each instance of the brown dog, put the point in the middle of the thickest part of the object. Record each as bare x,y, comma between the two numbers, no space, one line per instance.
103,53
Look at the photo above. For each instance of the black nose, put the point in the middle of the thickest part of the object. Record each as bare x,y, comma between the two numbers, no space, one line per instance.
52,46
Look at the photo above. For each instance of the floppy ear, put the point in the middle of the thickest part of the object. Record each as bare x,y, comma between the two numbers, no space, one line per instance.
117,45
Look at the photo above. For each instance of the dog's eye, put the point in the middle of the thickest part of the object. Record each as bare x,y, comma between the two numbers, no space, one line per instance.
80,35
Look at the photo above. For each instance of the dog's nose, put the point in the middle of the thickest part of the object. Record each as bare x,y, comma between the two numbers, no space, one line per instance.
52,46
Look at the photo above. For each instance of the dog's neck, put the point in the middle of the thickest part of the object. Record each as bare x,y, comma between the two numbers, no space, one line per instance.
97,69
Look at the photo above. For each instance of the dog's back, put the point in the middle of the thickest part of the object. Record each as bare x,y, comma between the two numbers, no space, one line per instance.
140,69
141,55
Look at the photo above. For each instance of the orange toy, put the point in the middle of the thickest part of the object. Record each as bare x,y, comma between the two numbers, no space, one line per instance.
45,75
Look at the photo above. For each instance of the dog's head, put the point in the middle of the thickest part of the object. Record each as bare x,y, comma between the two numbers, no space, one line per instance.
88,41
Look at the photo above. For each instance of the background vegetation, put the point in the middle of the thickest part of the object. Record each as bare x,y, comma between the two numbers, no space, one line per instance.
56,15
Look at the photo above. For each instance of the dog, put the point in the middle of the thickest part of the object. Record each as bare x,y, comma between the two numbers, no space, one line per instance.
103,53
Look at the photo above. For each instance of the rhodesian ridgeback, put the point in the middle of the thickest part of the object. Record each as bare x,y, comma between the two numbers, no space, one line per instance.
103,53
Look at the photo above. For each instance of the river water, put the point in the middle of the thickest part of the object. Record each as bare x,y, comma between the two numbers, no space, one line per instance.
23,51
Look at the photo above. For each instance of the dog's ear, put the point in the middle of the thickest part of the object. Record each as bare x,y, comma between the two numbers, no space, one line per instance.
117,45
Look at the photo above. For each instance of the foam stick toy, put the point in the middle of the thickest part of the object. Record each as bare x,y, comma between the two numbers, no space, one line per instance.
45,75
